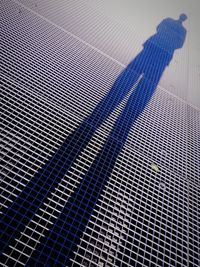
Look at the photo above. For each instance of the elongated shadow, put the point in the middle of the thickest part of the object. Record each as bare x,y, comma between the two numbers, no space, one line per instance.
49,176
64,235
78,210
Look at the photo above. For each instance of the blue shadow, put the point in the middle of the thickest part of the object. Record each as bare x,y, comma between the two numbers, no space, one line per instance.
57,247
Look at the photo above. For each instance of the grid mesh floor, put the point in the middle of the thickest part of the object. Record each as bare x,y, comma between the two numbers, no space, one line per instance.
51,81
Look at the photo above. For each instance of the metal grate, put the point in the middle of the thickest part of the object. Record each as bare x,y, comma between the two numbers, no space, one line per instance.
50,82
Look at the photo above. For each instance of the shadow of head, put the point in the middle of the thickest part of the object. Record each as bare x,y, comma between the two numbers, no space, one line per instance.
182,17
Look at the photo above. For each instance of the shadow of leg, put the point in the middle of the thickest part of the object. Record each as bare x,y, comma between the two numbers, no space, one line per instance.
49,176
76,214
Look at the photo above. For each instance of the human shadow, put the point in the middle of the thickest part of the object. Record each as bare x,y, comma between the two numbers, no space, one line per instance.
60,241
